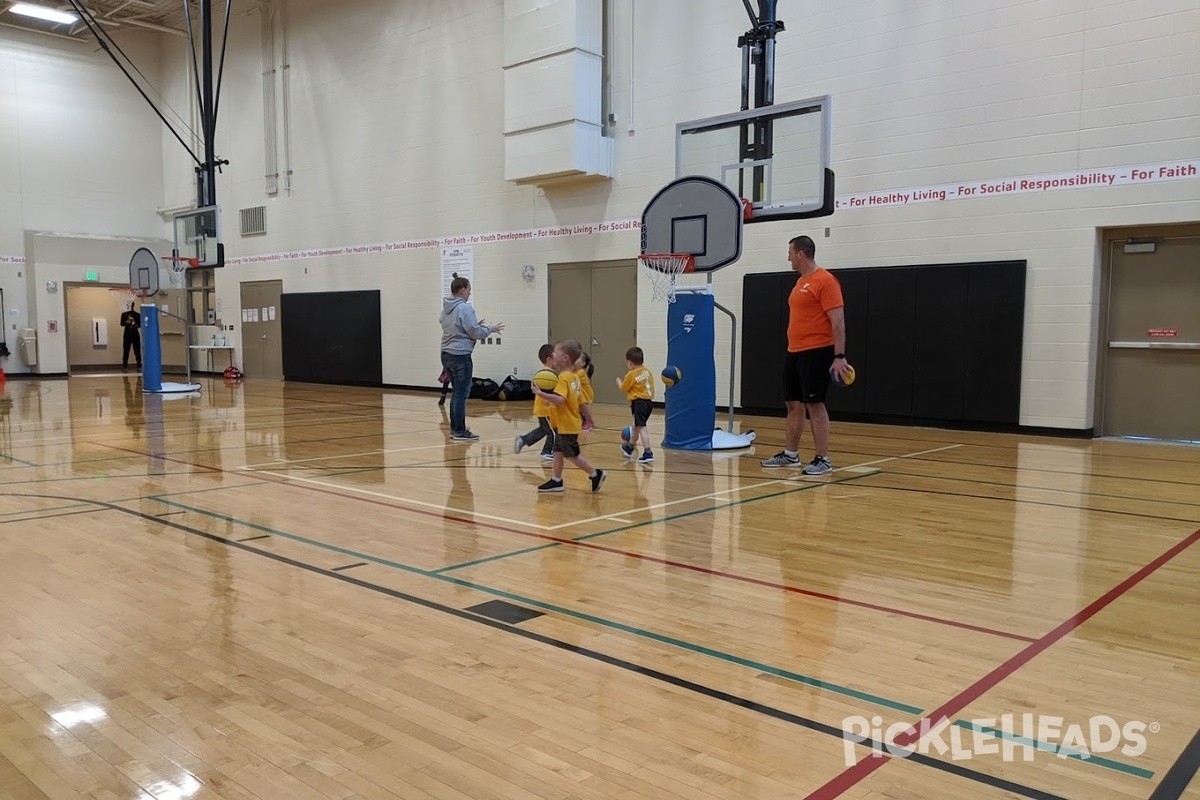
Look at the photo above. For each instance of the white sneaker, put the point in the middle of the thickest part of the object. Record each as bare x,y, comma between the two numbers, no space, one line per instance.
518,444
818,466
782,459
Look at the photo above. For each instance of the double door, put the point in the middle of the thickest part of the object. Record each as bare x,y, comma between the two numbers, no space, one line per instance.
597,304
262,339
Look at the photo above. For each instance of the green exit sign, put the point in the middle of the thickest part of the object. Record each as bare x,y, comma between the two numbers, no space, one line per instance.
91,275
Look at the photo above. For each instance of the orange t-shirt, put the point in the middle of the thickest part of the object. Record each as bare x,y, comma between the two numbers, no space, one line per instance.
808,311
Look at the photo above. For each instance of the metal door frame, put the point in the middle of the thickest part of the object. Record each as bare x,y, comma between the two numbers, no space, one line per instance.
1110,238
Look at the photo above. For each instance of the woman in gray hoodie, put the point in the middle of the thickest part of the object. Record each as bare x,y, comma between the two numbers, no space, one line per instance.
460,330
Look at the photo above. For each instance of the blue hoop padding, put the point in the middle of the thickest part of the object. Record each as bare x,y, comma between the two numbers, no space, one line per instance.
691,342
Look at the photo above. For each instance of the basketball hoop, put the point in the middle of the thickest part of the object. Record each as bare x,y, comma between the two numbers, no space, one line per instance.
664,269
124,296
180,265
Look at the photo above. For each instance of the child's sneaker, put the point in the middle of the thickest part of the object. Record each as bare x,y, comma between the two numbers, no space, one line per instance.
646,457
597,480
519,444
782,459
555,486
547,456
627,450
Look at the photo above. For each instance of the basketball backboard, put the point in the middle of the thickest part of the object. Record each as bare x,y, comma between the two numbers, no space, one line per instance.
198,236
143,272
777,157
698,216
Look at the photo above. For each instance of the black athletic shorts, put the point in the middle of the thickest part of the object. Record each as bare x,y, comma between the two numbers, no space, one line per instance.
806,375
567,444
642,409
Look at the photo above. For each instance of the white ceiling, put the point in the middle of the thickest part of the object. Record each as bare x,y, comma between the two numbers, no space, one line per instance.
117,15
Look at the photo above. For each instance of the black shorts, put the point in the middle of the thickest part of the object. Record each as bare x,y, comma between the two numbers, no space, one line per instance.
567,444
642,409
806,375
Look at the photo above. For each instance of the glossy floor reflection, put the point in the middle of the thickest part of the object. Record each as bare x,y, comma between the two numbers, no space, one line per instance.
297,591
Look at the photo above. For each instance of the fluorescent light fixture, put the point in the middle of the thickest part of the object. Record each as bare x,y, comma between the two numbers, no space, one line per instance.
42,12
1140,247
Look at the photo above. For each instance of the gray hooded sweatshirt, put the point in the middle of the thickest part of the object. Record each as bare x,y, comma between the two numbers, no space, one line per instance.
460,327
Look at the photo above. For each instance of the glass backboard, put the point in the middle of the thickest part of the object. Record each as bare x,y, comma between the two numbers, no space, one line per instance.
777,157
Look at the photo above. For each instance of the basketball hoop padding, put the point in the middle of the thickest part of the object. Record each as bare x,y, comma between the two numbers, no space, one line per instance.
692,403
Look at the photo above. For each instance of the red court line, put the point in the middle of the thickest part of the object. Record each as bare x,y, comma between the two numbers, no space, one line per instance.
806,592
951,707
626,553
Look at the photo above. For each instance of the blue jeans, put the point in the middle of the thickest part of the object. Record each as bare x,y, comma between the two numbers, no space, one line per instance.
460,369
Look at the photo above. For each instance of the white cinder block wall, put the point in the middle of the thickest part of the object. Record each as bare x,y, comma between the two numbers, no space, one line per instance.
397,135
79,158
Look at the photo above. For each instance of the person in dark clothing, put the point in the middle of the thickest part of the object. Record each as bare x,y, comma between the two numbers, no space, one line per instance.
131,324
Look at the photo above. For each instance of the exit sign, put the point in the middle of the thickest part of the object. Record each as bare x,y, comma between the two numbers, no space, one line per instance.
91,275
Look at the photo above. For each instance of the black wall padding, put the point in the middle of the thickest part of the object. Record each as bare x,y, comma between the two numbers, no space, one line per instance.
332,337
930,344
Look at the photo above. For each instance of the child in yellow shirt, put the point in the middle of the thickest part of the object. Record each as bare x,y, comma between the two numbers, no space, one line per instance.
565,416
585,370
541,410
638,386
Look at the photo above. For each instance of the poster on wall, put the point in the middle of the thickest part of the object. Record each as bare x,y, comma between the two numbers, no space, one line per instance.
457,262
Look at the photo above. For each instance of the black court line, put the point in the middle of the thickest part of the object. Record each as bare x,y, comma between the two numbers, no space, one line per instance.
1034,438
255,538
337,569
49,516
1013,467
169,513
1181,772
1021,501
603,658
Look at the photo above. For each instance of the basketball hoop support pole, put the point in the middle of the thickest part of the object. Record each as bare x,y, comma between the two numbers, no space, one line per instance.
732,355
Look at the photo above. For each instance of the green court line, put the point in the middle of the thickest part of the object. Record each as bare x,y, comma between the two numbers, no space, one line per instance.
600,621
498,557
671,518
1057,750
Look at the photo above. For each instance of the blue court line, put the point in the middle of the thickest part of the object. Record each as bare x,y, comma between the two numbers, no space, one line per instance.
1057,750
681,515
639,632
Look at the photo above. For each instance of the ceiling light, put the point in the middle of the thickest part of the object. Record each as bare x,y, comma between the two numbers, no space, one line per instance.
42,12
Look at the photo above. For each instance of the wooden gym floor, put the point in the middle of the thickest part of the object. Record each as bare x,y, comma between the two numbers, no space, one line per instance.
304,592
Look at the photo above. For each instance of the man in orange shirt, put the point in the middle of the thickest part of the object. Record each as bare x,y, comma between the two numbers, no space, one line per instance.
816,349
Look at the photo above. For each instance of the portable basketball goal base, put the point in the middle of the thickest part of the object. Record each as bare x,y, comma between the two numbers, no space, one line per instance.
694,225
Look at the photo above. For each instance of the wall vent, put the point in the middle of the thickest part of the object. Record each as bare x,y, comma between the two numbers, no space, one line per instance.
254,221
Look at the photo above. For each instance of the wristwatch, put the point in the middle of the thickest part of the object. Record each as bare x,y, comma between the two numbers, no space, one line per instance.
836,356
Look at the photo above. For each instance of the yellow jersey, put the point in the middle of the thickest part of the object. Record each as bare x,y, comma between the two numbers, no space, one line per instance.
586,392
542,408
565,417
638,384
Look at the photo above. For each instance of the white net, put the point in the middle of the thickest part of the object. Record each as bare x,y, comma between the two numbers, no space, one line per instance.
178,267
664,270
123,297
